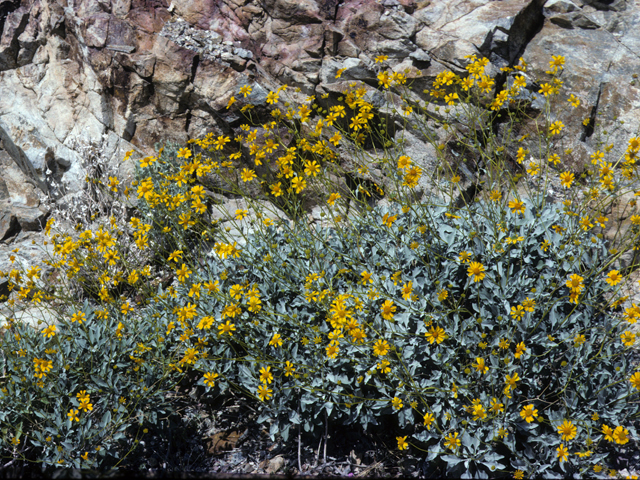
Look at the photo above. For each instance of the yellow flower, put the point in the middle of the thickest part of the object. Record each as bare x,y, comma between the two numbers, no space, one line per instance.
621,435
276,341
175,255
635,380
436,334
85,406
566,179
521,154
380,348
512,379
388,220
402,443
226,328
380,59
579,340
79,317
520,81
404,162
126,308
50,331
387,309
407,288
573,100
518,475
495,195
451,98
366,277
311,168
575,283
442,295
265,375
240,214
546,89
73,415
190,356
452,441
555,159
563,453
384,79
298,184
272,97
397,403
276,189
183,273
247,175
567,430
613,277
428,420
480,365
528,304
528,413
245,90
517,206
82,396
332,198
628,338
476,270
289,370
557,61
517,312
332,351
496,407
608,432
586,454
464,256
556,127
183,153
219,143
264,392
479,413
340,72
383,366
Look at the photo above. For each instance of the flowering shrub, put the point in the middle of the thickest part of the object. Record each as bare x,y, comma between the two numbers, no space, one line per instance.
491,328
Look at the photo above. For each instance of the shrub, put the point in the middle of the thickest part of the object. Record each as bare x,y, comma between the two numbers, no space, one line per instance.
490,328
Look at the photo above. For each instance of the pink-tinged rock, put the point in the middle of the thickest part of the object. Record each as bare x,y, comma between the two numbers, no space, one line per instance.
197,12
96,30
150,21
173,68
88,8
32,36
121,32
356,17
214,84
14,24
120,7
162,129
295,12
142,63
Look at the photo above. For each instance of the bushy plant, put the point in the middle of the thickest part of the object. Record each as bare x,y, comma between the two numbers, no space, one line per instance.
486,322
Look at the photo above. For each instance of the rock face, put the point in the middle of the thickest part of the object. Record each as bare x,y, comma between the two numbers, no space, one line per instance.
126,74
148,71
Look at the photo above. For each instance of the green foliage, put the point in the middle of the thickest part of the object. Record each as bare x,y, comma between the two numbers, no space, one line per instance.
122,370
563,339
487,328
